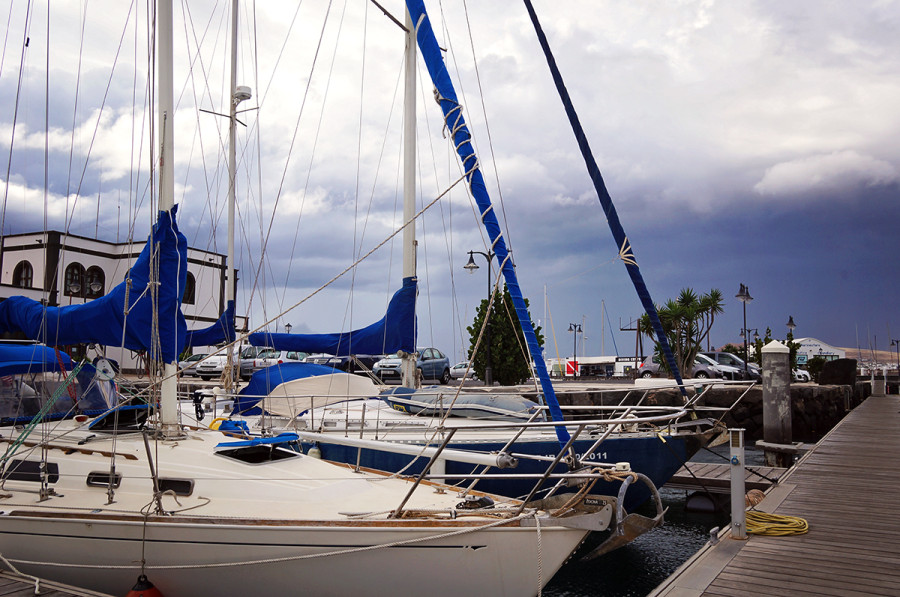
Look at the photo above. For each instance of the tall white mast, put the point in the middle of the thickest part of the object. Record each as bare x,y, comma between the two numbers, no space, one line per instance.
166,126
238,94
408,371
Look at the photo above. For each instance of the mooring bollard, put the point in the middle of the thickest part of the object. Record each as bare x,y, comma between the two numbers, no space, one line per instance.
776,381
738,505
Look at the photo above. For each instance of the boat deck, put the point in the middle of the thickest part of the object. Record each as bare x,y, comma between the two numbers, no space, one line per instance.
846,488
13,585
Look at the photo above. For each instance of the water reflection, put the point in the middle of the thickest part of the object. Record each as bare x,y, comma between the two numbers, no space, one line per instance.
637,568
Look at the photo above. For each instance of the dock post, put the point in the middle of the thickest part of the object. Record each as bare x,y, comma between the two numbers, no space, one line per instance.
776,381
738,504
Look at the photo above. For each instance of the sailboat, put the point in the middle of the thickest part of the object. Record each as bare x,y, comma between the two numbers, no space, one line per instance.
377,431
98,501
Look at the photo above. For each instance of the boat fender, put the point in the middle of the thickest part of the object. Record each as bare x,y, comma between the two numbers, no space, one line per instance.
144,588
315,452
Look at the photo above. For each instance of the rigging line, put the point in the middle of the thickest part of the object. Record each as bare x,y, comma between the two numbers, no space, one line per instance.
188,20
25,31
585,272
362,80
96,131
487,127
385,241
307,182
265,238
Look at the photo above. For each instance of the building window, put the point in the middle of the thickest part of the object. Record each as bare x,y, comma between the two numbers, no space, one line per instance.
189,286
74,280
23,275
96,282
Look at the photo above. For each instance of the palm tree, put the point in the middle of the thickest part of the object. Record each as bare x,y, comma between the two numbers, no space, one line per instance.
686,321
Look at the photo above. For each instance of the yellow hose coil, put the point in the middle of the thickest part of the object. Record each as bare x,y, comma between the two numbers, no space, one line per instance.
775,525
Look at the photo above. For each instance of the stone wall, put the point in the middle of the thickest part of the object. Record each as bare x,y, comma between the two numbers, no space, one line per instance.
815,408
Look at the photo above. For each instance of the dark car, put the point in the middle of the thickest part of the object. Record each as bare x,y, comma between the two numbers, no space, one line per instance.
727,358
432,364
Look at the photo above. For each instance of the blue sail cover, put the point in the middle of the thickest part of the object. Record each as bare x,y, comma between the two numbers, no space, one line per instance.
395,331
221,331
31,358
612,217
103,320
450,106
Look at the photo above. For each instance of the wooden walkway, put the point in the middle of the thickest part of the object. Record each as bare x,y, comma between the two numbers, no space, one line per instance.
13,585
716,478
848,489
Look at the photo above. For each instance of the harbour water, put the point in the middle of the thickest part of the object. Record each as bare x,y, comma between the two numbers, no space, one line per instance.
639,567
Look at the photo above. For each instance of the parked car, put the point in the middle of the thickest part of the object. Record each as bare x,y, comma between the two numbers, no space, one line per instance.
802,375
458,370
188,366
728,371
357,363
727,358
701,370
269,356
214,364
248,356
432,364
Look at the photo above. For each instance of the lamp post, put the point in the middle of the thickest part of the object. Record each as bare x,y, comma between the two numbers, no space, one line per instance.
575,328
743,295
287,328
897,344
470,267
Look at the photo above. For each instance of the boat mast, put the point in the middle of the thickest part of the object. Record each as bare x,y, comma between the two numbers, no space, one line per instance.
166,123
238,94
408,366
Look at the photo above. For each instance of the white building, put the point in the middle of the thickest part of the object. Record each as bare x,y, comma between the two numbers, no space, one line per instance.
59,269
813,347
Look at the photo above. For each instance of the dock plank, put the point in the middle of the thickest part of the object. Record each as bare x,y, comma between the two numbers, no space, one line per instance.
846,487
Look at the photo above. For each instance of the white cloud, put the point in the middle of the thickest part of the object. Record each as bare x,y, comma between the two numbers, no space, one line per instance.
834,171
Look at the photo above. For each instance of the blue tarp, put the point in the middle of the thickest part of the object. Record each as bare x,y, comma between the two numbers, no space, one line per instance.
221,331
102,320
265,380
30,358
450,106
395,331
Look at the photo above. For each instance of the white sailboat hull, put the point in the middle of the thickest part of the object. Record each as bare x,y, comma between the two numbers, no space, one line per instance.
212,559
282,527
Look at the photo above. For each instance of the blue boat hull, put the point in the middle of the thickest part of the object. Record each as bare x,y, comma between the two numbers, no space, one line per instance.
648,455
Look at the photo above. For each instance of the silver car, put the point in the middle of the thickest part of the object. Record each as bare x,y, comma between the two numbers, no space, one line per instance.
701,370
732,360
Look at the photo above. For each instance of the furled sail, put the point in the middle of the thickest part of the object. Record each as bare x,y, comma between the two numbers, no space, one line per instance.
126,316
446,96
626,253
221,331
395,331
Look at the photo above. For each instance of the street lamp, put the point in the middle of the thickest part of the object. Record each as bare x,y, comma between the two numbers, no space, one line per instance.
576,329
287,328
470,267
791,325
897,344
743,295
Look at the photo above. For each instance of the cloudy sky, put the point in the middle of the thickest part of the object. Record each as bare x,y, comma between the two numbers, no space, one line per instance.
741,142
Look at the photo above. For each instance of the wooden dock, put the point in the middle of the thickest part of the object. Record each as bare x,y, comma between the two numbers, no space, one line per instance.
716,478
847,488
15,585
